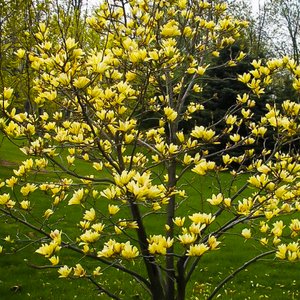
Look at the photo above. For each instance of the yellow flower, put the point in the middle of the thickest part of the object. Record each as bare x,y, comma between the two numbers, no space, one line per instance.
70,159
246,233
29,188
281,253
70,43
292,256
138,55
196,229
113,209
264,241
213,243
8,239
276,240
48,249
187,238
170,114
98,166
277,228
178,221
48,213
230,120
242,99
295,225
130,75
90,215
235,137
97,272
197,250
201,132
263,169
259,180
227,202
25,204
79,271
129,251
20,53
64,271
77,197
7,92
54,260
264,227
56,236
124,178
226,159
85,224
109,193
170,29
216,200
201,70
98,227
156,206
11,182
4,198
202,218
90,236
81,82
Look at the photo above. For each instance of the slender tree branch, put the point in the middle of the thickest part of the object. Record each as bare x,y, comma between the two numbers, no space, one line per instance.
243,267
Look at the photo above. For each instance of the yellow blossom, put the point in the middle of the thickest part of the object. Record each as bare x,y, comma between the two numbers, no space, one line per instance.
64,271
56,236
48,213
7,93
277,228
77,197
187,238
196,228
20,53
202,218
97,272
216,199
98,227
178,221
129,252
170,29
48,249
90,215
113,209
90,236
281,252
246,233
79,271
170,114
235,137
29,188
25,204
54,260
81,82
213,243
8,239
197,250
11,182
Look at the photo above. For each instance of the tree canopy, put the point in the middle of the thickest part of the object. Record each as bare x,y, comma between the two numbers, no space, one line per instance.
107,120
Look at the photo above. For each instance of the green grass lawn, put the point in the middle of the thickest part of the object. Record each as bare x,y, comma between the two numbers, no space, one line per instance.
263,280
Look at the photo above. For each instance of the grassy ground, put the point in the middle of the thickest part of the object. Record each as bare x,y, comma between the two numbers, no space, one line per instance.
262,280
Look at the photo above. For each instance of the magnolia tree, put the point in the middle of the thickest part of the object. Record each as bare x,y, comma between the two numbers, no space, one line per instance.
108,124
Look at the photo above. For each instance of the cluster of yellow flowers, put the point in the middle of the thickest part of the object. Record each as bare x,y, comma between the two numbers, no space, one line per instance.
96,106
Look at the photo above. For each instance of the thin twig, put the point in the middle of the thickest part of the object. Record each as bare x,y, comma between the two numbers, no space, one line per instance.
244,266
